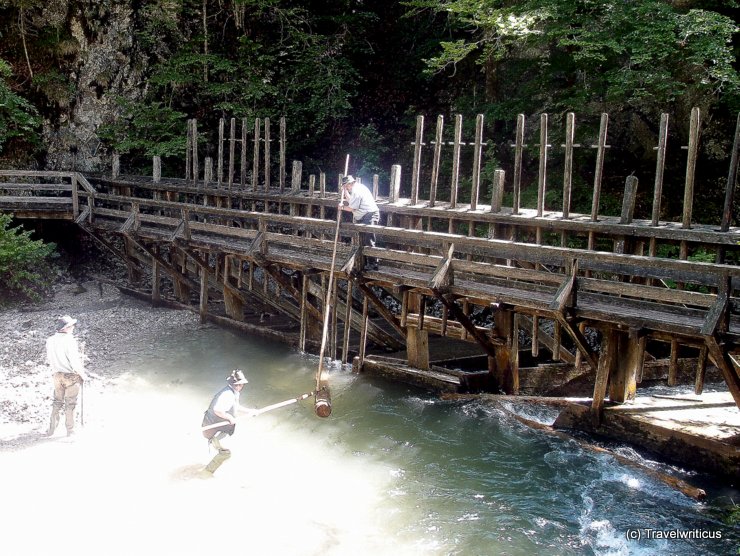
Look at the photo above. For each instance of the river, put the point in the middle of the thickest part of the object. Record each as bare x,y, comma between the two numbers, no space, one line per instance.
392,471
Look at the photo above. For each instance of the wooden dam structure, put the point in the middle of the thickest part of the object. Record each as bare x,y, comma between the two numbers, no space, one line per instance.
248,242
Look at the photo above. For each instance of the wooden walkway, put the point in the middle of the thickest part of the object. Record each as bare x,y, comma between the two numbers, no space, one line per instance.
474,272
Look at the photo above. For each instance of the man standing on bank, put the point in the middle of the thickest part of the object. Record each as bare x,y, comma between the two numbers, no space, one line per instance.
224,407
358,200
63,355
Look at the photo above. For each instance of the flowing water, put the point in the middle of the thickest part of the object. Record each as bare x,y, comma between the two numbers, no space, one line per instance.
392,471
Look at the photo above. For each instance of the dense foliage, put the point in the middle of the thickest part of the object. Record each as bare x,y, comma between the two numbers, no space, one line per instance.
350,75
24,262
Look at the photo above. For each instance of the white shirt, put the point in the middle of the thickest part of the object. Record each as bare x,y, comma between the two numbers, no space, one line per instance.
227,401
361,201
63,354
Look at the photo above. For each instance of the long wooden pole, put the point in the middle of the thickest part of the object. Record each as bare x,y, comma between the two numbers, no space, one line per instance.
323,398
263,410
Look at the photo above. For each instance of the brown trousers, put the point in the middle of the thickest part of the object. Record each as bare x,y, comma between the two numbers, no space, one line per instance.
66,391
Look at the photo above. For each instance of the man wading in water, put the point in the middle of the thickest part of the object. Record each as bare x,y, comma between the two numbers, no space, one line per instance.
224,407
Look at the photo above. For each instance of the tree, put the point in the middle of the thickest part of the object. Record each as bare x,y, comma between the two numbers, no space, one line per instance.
24,264
18,118
584,55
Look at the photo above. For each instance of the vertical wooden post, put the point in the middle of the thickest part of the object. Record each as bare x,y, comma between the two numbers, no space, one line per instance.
673,364
623,383
477,153
196,170
497,195
506,360
75,197
601,147
203,293
304,313
156,169
416,168
188,152
518,155
256,155
606,361
363,331
659,169
282,154
456,145
436,160
267,154
542,175
208,171
395,185
243,158
570,131
658,187
295,185
347,322
730,189
701,369
155,278
376,182
232,149
220,161
688,194
116,166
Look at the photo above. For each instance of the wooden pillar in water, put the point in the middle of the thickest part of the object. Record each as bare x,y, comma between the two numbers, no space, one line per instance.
233,304
156,282
504,368
417,339
607,361
628,365
203,292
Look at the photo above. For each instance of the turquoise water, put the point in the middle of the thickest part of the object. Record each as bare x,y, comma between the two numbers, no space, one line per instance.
394,470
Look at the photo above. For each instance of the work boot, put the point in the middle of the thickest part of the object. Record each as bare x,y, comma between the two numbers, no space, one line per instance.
53,422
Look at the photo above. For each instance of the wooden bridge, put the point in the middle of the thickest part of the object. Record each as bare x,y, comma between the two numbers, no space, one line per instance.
255,253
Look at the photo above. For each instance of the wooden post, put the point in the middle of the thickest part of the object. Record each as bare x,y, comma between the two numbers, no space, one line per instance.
156,169
701,368
416,168
347,322
542,175
623,383
208,171
518,155
395,185
606,362
220,161
501,367
188,152
304,313
233,304
232,149
155,278
256,155
75,197
570,131
203,294
296,177
628,210
456,145
115,166
436,160
730,189
363,331
477,153
497,195
282,154
673,364
688,194
243,160
196,170
267,154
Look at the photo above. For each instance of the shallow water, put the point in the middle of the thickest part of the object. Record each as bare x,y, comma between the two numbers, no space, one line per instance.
392,471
